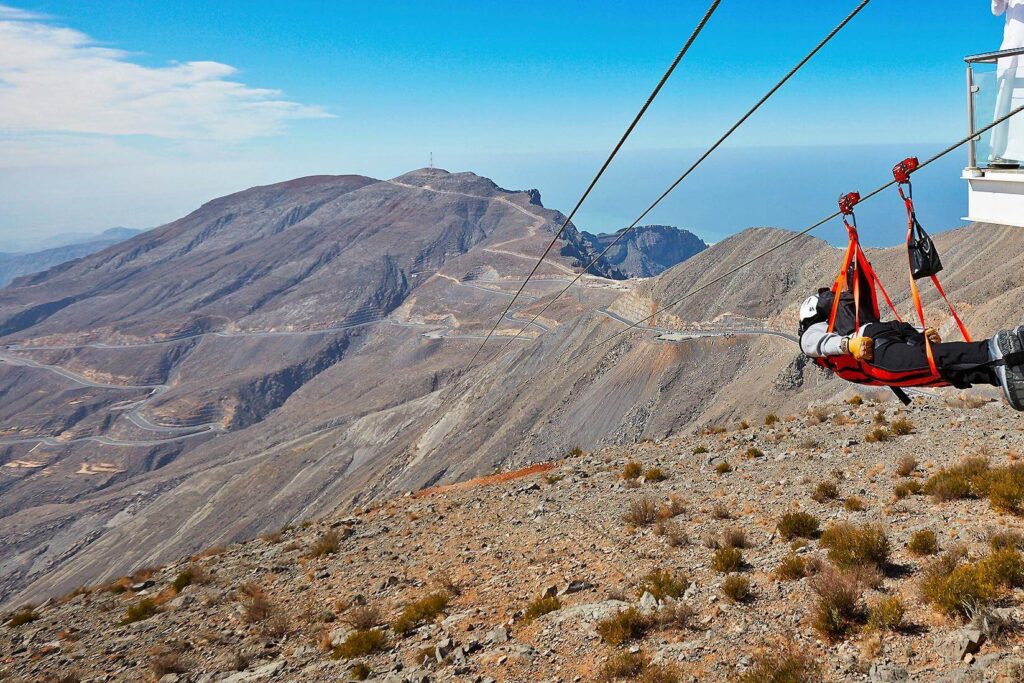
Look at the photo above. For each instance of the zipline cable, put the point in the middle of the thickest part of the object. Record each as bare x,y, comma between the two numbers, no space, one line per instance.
636,120
691,169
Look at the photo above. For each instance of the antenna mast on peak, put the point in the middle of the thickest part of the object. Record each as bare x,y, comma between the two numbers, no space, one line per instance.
431,160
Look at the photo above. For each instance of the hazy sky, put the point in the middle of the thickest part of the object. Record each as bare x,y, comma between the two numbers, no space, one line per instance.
134,113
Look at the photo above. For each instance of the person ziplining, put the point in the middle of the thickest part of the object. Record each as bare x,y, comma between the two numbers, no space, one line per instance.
842,330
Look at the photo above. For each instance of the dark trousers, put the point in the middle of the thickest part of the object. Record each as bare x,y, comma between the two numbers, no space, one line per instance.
899,347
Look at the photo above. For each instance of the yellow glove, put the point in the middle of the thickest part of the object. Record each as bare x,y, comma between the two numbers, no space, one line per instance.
862,348
933,335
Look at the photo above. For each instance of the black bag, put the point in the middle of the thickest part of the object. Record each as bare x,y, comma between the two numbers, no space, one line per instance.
924,257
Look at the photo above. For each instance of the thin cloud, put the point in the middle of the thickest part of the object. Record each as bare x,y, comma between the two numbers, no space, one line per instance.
58,80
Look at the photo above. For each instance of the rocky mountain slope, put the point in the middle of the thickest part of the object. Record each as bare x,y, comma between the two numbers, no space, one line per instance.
648,249
18,264
168,433
668,560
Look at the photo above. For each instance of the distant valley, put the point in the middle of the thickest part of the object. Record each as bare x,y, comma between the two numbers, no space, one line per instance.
70,247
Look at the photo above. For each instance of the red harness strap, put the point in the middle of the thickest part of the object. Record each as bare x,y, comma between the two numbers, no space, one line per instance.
902,173
856,262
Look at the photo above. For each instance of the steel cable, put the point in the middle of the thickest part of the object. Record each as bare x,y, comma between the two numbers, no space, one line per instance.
636,120
691,169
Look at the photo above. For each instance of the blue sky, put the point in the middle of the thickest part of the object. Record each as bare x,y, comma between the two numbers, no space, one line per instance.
528,93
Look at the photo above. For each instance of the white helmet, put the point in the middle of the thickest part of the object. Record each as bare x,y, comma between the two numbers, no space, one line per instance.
809,308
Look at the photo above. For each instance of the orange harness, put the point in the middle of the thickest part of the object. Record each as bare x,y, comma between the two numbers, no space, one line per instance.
857,266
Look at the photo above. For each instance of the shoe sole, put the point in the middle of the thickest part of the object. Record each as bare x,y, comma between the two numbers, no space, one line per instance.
1010,376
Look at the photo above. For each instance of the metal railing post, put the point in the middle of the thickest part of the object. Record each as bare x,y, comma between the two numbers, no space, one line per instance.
972,151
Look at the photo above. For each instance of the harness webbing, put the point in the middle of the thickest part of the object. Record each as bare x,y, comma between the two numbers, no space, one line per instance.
908,201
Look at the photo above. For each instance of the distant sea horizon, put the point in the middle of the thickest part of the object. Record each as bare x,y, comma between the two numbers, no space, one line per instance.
787,187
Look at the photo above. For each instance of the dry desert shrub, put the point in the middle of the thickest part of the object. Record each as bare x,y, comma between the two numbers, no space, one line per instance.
850,545
825,491
642,512
360,644
798,525
420,611
541,606
727,560
906,466
663,584
737,588
786,664
923,542
626,626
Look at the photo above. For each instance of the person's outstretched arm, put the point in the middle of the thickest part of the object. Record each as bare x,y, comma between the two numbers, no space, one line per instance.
818,342
998,7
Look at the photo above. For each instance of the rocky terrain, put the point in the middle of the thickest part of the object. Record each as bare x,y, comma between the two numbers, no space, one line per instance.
647,250
666,560
228,386
24,263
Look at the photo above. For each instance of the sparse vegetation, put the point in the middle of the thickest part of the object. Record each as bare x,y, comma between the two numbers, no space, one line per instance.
902,427
781,665
963,480
737,588
825,491
856,546
363,617
676,506
655,474
721,511
819,415
794,567
327,544
361,644
624,627
798,525
908,487
770,419
973,477
663,584
856,400
625,666
906,466
886,614
723,467
541,606
256,606
632,470
878,435
139,611
165,662
854,504
923,542
880,418
643,511
752,453
22,616
956,588
700,450
837,608
420,611
734,537
1006,539
360,671
189,576
727,560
